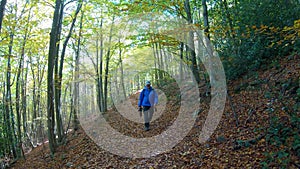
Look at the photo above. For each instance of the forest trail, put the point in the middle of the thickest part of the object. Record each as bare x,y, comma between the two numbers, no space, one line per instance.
230,146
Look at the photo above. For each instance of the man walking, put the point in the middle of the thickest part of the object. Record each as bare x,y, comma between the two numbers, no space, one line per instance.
147,102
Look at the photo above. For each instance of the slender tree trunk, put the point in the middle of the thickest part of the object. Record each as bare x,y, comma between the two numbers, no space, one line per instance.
6,121
138,82
57,101
20,69
107,66
99,69
24,99
160,75
34,100
40,78
152,37
191,45
2,9
24,105
50,82
205,18
76,87
181,62
161,59
60,74
122,72
161,56
71,105
8,103
166,60
20,86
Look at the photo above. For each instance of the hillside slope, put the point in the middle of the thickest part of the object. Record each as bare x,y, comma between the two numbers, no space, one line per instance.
258,103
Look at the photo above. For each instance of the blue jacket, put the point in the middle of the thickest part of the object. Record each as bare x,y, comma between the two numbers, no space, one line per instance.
148,97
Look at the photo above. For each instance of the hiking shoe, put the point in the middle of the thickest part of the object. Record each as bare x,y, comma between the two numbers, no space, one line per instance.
146,128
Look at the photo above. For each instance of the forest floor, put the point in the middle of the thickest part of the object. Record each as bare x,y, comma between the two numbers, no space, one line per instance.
230,146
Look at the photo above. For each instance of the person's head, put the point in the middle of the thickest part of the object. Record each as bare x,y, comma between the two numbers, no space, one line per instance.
148,84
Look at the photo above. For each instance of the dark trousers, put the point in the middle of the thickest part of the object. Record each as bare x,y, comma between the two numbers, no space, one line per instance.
148,113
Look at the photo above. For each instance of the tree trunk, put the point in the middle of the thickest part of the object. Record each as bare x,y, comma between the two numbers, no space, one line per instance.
40,78
2,9
57,88
122,72
138,84
24,99
205,19
161,56
160,75
99,75
181,61
166,60
60,74
6,145
34,103
8,101
50,81
155,60
191,45
76,87
99,69
20,69
107,66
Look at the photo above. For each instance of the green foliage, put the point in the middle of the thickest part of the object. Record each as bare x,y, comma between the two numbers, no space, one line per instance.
166,79
169,86
286,137
296,145
259,32
282,134
281,156
298,92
